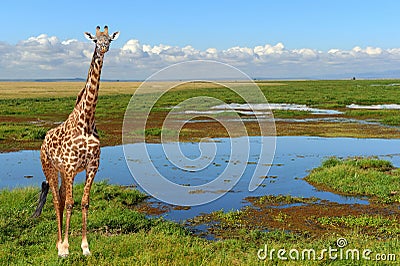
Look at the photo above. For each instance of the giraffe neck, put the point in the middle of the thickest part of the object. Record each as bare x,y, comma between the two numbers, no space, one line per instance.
87,98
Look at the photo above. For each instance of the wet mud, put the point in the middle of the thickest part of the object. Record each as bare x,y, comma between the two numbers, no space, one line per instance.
303,217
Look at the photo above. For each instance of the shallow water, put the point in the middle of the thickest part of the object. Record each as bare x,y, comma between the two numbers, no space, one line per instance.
375,106
262,109
300,120
294,157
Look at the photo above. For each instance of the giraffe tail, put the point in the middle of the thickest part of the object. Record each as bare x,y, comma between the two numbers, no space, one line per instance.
42,199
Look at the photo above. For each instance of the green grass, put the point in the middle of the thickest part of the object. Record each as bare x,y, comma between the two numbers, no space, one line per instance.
56,108
290,114
360,177
284,199
158,132
118,235
229,219
20,131
333,93
32,107
323,94
375,221
384,227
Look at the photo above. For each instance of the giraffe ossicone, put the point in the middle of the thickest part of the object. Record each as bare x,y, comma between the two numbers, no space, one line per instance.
74,146
101,38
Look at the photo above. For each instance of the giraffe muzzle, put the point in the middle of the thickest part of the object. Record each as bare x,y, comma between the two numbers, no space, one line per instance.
104,49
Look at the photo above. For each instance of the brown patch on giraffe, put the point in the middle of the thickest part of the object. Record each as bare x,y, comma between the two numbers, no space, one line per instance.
92,90
89,98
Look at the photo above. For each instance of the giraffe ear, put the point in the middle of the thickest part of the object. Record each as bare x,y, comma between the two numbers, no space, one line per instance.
114,36
90,37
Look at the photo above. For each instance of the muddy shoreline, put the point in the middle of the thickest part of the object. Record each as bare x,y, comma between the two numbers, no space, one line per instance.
111,131
303,219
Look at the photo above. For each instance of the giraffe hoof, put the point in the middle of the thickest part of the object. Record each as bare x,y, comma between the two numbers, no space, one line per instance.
85,248
86,253
63,252
63,256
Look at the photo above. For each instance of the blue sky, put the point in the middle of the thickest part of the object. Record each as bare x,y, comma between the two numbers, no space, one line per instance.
303,24
220,24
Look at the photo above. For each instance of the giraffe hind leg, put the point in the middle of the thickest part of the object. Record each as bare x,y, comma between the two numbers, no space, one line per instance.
52,179
62,195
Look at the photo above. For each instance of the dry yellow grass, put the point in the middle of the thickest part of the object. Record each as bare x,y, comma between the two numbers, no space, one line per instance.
10,90
28,89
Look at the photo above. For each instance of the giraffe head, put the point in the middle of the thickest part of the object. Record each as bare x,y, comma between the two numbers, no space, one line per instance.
102,39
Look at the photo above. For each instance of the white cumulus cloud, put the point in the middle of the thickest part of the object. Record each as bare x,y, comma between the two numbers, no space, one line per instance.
46,56
269,49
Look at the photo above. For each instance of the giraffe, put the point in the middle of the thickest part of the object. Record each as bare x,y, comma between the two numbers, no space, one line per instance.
74,146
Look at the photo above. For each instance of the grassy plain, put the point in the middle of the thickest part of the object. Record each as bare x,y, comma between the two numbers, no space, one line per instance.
29,106
120,235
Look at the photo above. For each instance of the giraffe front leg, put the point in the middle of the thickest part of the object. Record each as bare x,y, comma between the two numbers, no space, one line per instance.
85,243
90,174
